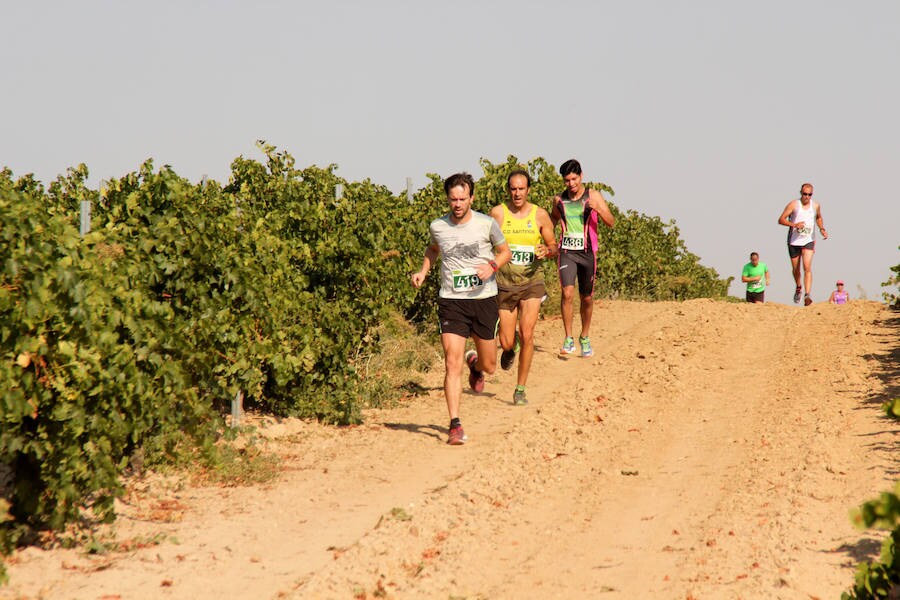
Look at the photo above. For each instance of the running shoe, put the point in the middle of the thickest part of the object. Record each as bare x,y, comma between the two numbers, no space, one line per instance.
797,294
519,398
586,349
508,356
807,300
457,436
476,377
568,346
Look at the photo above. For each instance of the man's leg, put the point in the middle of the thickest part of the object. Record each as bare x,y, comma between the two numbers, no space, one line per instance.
529,310
565,305
507,332
587,313
454,345
487,354
807,255
587,272
795,270
568,277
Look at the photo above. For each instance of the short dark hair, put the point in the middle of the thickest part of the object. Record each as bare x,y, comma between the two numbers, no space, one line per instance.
752,254
570,166
521,172
459,179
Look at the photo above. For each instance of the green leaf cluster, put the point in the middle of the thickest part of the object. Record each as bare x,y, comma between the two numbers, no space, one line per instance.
88,368
881,578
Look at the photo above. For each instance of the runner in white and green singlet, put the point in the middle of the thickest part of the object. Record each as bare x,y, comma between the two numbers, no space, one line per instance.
577,211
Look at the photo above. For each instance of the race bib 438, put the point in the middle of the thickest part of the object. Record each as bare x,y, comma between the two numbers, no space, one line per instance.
572,240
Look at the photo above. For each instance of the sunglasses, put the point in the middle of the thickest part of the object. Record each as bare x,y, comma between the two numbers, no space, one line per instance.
806,193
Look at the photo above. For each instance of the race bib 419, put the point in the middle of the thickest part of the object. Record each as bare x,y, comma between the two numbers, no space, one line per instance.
465,280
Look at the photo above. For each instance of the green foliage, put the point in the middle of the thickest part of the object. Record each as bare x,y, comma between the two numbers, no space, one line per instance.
892,408
333,269
894,280
879,579
87,371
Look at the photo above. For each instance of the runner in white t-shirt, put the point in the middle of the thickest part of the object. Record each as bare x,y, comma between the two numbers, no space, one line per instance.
472,249
801,217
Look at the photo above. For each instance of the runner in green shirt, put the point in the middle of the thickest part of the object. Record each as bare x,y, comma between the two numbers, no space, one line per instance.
753,274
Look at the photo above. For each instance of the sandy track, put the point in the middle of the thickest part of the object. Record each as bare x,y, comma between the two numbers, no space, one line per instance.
707,450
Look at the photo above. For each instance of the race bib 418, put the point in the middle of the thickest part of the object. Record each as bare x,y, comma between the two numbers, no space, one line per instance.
521,255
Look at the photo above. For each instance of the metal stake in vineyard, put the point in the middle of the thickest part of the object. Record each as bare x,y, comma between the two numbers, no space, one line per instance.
85,217
237,408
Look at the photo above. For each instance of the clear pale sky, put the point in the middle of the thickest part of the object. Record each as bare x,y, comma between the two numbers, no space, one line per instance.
710,113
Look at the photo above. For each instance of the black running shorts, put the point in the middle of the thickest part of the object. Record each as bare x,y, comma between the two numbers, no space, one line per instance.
580,265
795,251
756,296
469,317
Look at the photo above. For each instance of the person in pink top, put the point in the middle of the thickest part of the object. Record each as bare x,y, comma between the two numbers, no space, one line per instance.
839,296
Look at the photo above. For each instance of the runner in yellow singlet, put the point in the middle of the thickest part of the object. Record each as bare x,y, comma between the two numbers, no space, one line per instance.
529,232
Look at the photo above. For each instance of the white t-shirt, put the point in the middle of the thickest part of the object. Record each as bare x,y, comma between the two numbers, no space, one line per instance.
463,248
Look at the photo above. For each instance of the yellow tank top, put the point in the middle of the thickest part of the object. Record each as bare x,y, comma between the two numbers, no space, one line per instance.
523,236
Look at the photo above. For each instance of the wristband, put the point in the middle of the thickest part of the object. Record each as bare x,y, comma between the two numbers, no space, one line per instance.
493,265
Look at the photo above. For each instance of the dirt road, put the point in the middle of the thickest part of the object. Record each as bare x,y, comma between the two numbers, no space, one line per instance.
707,450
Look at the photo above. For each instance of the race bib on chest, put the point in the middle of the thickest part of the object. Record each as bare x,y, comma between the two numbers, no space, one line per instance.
805,231
465,280
521,255
572,240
